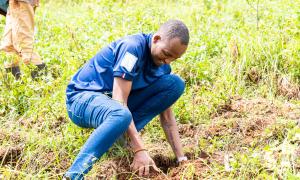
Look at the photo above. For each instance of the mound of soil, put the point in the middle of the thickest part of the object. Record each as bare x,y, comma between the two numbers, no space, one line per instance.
245,120
169,168
10,155
287,88
258,108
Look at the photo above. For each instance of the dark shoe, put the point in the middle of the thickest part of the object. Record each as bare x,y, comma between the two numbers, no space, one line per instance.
39,70
15,71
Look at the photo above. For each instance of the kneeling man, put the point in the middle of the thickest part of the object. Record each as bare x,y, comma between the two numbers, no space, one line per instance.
122,89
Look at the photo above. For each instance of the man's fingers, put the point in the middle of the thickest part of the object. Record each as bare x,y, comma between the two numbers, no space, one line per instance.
146,170
134,167
155,167
141,171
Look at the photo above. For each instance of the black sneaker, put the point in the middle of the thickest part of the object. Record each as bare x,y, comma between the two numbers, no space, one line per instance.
15,71
39,70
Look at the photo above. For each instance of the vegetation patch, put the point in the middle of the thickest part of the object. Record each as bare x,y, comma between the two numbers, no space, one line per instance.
238,117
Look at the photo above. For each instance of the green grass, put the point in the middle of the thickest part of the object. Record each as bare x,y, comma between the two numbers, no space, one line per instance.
71,32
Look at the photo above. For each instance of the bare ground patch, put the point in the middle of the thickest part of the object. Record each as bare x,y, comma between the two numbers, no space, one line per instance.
10,155
243,120
286,87
12,145
169,168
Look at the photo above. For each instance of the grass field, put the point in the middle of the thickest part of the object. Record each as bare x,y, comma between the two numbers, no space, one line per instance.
238,117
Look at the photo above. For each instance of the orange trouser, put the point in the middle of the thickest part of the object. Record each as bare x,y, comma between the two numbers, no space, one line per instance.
18,36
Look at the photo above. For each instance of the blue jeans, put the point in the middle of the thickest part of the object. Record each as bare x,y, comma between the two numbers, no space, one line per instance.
111,119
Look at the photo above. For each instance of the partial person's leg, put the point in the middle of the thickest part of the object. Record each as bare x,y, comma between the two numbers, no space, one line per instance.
23,37
149,102
12,59
110,120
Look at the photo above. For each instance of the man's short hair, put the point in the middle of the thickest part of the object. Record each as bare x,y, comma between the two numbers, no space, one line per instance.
175,28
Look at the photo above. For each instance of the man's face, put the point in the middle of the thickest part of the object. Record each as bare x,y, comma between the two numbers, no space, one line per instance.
165,51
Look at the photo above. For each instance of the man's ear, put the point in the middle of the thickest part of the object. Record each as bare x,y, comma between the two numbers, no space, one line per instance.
156,38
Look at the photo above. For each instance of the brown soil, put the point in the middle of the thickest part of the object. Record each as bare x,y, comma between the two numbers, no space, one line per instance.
10,155
253,75
14,138
58,123
287,88
168,166
39,123
187,130
253,109
244,120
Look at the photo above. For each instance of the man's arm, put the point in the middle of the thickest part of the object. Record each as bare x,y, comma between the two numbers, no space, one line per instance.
121,90
169,125
142,161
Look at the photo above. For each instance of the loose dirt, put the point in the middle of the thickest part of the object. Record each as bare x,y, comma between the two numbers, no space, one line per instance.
244,120
287,88
10,155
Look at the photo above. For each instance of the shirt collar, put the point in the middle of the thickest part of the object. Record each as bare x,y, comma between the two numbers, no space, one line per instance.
149,40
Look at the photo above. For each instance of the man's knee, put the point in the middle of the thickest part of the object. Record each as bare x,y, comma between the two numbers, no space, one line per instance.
180,84
122,116
175,84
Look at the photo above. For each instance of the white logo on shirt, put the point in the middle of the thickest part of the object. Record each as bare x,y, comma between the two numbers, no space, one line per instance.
128,61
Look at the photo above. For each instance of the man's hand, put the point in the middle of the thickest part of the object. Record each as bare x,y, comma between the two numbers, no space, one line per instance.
142,163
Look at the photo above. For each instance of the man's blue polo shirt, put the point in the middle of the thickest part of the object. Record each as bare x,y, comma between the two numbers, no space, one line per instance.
128,58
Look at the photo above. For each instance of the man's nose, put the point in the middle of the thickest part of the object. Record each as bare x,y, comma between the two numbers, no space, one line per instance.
169,60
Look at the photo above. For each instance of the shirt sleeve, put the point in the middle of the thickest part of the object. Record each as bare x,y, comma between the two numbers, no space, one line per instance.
126,59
